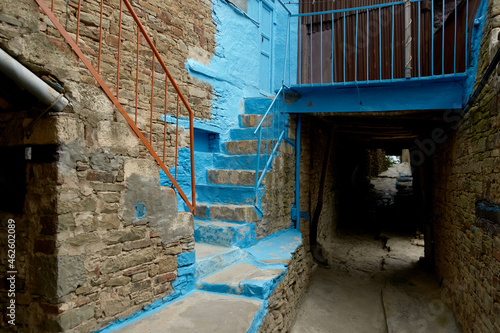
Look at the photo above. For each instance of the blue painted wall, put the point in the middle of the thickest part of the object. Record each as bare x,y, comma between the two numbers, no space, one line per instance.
234,68
477,36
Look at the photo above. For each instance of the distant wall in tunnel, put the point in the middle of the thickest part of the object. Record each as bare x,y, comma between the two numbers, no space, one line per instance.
466,174
346,182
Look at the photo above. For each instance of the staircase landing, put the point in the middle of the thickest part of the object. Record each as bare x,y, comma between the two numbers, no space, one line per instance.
233,288
201,312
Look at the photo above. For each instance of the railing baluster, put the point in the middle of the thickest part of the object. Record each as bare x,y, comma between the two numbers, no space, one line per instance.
165,119
177,138
344,50
191,146
379,44
442,42
300,50
100,39
311,51
152,101
455,43
392,46
367,45
119,55
137,77
259,140
321,48
356,50
466,34
432,38
52,6
419,15
333,47
78,21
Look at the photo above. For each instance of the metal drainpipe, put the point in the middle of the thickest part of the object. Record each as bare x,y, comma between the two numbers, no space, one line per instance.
32,83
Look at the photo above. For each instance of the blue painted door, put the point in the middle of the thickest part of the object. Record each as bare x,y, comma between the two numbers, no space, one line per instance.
266,35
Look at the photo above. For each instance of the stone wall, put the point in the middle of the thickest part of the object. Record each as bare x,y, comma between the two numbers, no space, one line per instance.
346,178
377,162
289,294
466,173
178,30
279,193
98,238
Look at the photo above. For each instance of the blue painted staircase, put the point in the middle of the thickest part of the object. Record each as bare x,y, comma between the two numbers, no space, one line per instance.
225,191
228,264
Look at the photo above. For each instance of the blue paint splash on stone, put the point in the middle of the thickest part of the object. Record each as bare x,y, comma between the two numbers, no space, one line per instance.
476,38
140,210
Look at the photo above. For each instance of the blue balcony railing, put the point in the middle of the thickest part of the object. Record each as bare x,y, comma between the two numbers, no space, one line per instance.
389,42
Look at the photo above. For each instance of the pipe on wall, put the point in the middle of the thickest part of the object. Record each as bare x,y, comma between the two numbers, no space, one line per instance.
297,172
31,83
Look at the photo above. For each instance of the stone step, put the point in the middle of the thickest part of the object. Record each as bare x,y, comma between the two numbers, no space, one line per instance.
212,258
231,177
245,278
202,312
243,134
224,233
253,120
257,105
238,134
225,194
248,147
237,162
234,213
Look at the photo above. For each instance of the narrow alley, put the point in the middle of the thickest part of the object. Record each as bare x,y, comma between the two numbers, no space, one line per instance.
369,289
376,281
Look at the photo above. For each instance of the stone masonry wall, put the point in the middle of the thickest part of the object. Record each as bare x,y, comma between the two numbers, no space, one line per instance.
279,197
315,136
377,162
466,171
289,294
98,238
179,30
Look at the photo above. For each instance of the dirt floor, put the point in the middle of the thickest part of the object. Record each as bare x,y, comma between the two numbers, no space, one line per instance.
375,283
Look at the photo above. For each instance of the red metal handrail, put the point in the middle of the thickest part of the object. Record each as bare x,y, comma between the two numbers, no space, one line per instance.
133,123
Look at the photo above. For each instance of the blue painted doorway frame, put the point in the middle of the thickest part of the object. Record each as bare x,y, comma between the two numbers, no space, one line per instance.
266,23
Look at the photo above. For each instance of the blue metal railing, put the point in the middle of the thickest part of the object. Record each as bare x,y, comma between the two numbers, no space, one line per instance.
273,126
270,132
420,47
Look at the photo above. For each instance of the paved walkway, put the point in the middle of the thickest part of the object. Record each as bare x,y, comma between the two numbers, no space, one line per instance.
371,289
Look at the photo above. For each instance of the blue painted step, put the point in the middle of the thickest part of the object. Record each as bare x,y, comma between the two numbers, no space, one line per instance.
237,162
238,134
253,120
258,105
212,258
245,278
229,213
224,233
225,194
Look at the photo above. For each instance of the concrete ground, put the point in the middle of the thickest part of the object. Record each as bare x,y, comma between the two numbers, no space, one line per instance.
375,284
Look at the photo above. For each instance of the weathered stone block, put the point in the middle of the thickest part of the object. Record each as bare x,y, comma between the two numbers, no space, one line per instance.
139,276
168,264
72,318
118,281
128,246
112,307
